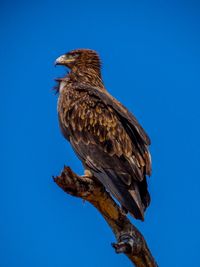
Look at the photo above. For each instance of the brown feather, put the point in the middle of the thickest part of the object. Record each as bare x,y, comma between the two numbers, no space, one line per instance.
105,135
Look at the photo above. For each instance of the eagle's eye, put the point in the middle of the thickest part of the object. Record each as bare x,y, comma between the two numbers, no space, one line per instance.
72,56
69,56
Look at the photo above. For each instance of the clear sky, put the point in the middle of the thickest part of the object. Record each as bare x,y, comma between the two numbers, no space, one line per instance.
151,63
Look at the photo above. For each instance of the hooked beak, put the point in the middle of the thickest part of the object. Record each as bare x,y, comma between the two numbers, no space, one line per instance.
63,60
60,60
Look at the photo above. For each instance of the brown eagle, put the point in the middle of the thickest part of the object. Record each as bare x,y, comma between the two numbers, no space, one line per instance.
106,137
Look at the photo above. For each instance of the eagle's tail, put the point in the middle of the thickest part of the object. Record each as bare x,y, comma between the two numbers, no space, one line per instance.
128,196
141,197
136,206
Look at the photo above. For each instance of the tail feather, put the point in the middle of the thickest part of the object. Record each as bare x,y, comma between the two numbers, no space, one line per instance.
129,197
145,196
138,211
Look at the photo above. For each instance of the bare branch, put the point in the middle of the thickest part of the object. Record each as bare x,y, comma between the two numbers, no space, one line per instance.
129,240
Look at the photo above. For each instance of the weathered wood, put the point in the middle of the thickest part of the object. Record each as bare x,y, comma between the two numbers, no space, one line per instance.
129,240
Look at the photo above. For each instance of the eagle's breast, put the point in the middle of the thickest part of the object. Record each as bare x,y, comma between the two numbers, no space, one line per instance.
61,86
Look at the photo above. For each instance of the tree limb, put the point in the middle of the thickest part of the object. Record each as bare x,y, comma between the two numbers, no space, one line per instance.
129,240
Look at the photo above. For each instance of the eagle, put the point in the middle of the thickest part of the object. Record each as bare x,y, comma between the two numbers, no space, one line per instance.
106,137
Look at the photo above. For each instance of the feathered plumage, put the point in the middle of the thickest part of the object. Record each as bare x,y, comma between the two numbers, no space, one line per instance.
104,134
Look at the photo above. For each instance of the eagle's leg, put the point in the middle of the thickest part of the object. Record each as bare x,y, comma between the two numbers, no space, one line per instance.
88,173
88,176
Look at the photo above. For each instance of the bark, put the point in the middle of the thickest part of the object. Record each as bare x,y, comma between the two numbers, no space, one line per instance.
129,239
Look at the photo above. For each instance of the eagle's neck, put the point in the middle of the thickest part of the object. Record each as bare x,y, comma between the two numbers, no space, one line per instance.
89,76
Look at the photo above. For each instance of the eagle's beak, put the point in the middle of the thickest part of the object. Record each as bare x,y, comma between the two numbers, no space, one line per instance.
60,60
63,60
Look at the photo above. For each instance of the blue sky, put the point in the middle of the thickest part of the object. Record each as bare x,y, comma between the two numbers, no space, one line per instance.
151,63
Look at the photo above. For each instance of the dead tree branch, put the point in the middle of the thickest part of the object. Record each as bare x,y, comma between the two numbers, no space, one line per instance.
129,240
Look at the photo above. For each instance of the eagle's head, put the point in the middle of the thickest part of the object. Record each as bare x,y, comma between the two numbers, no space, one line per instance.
80,58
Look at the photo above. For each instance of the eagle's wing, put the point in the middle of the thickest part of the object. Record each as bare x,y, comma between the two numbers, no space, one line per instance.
137,134
111,143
